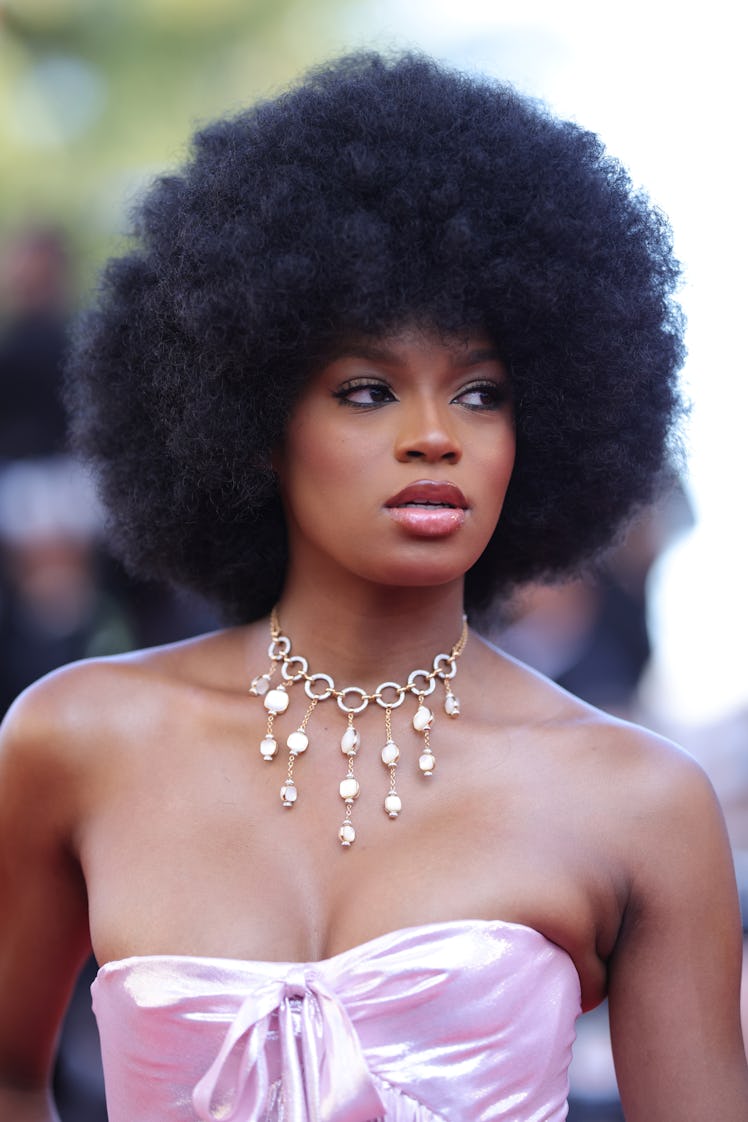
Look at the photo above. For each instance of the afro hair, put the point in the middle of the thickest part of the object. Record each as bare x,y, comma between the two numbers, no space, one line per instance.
377,192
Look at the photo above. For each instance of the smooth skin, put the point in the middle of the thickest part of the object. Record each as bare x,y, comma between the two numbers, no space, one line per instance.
135,807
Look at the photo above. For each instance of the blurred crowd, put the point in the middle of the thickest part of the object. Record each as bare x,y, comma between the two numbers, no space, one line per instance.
63,598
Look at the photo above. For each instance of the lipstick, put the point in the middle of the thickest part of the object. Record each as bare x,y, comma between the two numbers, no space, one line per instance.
428,508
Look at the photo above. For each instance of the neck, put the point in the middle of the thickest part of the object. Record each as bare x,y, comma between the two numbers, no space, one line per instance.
370,633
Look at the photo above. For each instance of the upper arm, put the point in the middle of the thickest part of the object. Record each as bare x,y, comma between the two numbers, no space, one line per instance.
674,977
43,929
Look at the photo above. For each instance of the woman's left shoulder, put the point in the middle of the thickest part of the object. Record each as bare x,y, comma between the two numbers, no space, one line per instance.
655,773
651,788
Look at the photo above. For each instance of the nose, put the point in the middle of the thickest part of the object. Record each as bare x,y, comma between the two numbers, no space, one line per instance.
427,432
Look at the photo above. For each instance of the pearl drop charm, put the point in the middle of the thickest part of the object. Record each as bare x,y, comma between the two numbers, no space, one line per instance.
347,835
268,747
350,741
452,705
390,753
260,685
297,742
427,762
393,804
422,719
288,793
276,701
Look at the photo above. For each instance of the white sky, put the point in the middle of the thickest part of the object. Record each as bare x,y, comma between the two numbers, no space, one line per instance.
663,86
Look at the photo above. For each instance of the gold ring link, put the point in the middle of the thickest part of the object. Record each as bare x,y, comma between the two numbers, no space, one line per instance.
294,675
340,698
439,671
399,690
429,678
279,647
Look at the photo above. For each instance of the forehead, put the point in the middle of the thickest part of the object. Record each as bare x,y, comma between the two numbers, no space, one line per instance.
467,344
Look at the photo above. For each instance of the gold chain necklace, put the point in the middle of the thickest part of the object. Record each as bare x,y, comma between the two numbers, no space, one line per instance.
351,700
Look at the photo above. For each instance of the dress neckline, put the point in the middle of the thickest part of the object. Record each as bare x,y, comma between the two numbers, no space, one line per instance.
368,946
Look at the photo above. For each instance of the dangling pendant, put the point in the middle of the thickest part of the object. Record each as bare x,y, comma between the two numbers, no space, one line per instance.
349,788
390,756
452,705
392,802
422,722
297,742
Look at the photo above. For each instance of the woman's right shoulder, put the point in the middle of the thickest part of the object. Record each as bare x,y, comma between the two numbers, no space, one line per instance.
55,721
110,700
78,706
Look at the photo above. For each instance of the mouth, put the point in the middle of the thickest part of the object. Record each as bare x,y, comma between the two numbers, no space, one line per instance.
428,509
429,494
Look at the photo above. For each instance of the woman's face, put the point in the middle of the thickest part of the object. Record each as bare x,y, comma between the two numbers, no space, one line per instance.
397,458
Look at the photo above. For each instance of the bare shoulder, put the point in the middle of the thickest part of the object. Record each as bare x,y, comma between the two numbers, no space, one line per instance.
626,792
82,699
645,772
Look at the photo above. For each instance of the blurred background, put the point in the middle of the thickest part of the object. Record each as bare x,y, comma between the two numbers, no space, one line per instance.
98,96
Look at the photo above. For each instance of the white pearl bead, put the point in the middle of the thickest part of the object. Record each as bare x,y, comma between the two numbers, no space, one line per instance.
268,747
349,788
393,805
426,763
350,741
347,834
297,742
289,794
390,753
423,718
452,705
276,701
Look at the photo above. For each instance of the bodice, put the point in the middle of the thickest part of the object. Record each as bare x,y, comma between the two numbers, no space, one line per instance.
466,1020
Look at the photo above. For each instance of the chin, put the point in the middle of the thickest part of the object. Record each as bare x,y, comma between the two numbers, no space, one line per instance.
419,575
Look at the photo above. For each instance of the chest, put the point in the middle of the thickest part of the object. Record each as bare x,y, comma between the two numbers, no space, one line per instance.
188,848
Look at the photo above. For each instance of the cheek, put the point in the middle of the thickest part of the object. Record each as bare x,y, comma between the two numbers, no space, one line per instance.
323,463
498,461
319,468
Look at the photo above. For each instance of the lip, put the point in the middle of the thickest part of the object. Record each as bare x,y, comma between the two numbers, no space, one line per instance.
429,491
428,509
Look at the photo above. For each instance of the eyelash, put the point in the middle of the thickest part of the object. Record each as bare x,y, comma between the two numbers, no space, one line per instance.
343,394
498,395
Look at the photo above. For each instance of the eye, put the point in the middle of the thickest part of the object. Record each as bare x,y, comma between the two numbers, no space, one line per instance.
483,396
364,393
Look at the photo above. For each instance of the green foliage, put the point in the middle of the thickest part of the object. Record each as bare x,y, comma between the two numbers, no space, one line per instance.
96,96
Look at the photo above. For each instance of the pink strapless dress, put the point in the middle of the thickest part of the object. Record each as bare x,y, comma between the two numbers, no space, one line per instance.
463,1021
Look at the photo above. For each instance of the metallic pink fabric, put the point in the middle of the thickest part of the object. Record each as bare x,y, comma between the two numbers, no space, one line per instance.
469,1021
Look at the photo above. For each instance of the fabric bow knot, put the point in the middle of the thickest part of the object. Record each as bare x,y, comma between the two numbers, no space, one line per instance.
323,1072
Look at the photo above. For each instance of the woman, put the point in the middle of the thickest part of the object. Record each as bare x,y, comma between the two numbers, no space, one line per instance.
389,344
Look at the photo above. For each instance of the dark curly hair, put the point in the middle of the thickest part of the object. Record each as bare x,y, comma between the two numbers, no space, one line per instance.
375,193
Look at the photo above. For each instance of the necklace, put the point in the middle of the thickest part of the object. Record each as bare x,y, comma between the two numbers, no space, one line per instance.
351,700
